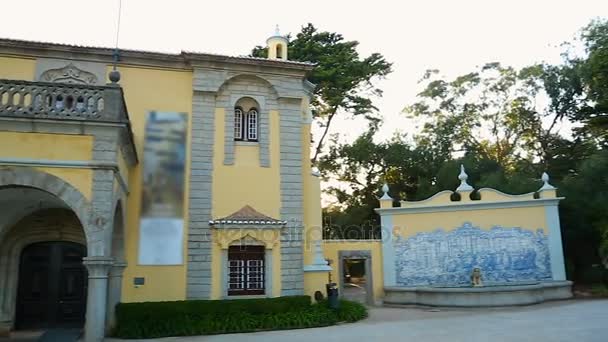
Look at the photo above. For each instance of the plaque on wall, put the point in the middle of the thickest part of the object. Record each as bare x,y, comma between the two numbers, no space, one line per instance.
161,228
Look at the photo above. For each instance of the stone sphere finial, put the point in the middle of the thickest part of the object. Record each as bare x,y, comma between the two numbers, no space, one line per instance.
114,76
464,186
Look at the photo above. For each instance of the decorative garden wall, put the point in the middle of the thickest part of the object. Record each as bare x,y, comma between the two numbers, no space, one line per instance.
439,241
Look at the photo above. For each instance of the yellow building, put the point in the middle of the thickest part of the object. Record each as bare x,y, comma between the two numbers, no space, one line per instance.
173,176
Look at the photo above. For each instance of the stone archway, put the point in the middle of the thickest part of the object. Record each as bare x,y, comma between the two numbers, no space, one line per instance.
96,233
27,177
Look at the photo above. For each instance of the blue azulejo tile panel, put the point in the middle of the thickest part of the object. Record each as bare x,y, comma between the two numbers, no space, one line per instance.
446,258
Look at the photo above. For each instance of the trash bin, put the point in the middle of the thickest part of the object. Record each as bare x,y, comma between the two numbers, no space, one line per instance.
332,296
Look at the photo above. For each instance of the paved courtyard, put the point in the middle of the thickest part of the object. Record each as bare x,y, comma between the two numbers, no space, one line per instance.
558,321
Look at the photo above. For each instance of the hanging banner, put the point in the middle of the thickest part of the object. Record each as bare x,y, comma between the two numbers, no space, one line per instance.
161,227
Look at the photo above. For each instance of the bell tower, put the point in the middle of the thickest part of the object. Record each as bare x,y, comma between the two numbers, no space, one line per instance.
277,45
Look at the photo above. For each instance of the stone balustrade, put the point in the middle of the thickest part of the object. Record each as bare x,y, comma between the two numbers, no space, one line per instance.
25,99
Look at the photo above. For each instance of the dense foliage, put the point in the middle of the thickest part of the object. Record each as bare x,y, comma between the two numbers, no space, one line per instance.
202,317
506,126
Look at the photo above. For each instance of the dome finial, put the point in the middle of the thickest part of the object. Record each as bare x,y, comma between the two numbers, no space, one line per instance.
277,32
464,186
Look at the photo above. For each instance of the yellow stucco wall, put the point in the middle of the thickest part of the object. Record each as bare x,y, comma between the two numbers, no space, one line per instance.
163,90
17,68
246,182
19,145
331,249
531,218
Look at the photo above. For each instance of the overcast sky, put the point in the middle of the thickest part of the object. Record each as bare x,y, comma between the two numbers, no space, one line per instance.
453,36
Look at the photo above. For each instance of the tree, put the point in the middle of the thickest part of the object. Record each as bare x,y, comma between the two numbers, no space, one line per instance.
495,112
593,72
345,81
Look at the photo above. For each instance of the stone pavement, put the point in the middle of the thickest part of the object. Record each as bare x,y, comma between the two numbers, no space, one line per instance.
574,320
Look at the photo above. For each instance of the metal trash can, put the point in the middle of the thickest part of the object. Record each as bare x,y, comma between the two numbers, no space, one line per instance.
332,296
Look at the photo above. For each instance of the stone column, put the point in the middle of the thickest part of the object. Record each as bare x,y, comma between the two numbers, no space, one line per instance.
114,292
98,267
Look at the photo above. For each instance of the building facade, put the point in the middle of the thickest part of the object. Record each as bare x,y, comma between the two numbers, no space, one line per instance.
143,176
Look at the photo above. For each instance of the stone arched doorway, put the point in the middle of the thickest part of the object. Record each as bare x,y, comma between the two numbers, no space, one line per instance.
26,193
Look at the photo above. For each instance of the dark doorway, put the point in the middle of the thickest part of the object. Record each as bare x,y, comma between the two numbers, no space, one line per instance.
52,286
354,279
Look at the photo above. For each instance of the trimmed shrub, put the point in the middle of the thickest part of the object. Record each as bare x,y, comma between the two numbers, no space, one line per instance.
351,311
203,317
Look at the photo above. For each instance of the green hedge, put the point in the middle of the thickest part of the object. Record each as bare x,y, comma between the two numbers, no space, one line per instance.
203,317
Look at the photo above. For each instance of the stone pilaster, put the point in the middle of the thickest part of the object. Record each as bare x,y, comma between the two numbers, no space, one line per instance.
98,268
114,292
292,276
201,169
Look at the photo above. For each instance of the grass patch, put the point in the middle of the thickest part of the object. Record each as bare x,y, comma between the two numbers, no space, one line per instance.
205,317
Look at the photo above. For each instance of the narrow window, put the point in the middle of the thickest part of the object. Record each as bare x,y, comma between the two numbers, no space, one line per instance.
279,51
252,125
238,124
246,274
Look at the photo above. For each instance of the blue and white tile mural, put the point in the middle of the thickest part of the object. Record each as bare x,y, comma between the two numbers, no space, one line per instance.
443,258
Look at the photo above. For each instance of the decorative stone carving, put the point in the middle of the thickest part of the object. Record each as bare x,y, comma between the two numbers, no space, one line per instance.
476,277
69,74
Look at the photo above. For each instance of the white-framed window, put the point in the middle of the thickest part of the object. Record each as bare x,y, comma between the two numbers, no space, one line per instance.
252,125
246,125
246,270
238,124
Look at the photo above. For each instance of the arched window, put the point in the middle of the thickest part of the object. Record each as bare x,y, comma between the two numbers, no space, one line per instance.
252,125
246,119
279,51
238,123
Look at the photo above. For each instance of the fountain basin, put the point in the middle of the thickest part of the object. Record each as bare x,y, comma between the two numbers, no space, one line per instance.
486,296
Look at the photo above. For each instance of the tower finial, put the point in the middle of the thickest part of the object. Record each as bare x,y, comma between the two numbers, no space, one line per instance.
464,186
277,32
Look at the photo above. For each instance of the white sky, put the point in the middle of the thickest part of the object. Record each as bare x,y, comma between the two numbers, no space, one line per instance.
453,36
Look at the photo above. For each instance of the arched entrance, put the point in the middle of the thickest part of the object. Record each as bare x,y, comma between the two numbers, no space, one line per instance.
38,207
52,286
